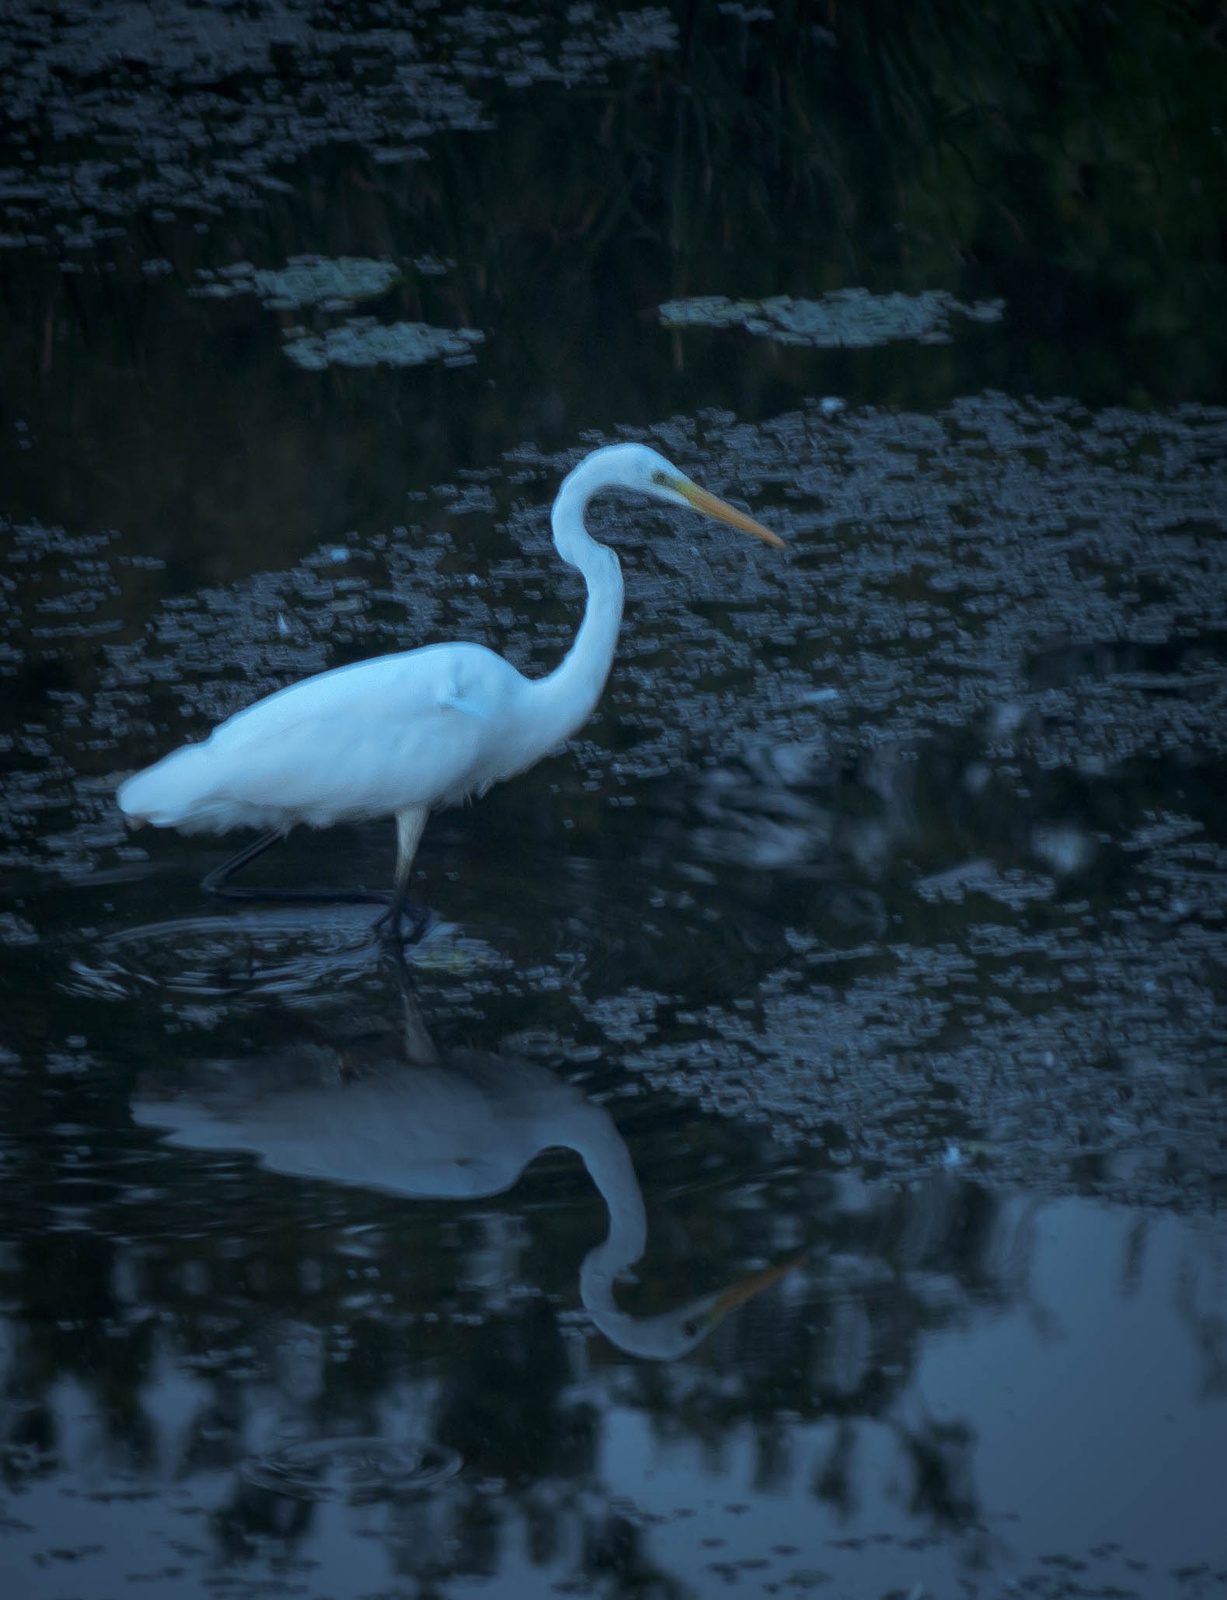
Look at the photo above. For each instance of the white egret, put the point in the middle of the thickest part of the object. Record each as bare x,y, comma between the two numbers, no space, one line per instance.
401,734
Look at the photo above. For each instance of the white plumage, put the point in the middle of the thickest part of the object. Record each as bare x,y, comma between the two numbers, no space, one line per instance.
399,734
422,727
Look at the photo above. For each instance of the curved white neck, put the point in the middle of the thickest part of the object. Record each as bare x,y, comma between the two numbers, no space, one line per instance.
567,697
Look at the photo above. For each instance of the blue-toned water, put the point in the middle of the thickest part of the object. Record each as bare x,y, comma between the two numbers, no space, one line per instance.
794,1159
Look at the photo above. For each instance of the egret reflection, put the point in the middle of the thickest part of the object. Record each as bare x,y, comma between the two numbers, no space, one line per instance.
461,1124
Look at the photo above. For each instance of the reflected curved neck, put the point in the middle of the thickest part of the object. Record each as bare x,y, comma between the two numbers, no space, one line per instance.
604,1153
608,1161
663,1337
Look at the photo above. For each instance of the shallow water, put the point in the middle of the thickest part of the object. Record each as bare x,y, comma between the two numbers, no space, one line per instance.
795,1159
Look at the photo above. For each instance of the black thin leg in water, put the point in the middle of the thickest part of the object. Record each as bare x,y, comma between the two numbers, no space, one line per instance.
215,882
390,926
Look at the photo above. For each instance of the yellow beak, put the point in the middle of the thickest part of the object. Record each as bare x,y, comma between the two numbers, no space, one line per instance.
711,506
748,1287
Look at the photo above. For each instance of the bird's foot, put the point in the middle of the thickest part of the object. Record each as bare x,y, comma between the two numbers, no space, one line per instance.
403,923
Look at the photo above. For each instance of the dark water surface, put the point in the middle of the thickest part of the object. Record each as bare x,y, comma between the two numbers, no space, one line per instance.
796,1159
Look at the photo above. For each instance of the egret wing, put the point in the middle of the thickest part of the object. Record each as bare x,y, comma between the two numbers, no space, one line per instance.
360,741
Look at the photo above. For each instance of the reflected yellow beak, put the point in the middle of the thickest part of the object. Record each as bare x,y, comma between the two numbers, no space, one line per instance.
741,1292
711,506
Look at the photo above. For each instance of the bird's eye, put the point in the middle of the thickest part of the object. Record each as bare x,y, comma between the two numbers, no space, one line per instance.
661,478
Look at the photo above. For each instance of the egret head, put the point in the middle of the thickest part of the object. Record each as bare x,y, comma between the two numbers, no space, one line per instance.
636,466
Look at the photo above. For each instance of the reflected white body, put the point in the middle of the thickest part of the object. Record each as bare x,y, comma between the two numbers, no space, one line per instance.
399,734
456,1130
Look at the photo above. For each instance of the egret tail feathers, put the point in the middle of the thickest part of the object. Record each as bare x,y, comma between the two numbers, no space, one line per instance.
176,792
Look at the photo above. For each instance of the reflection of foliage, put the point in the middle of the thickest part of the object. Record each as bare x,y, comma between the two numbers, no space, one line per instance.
509,1418
499,1386
943,1488
1201,1266
834,1482
614,1556
254,1520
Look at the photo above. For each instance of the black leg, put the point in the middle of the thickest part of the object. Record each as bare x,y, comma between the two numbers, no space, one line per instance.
390,926
215,882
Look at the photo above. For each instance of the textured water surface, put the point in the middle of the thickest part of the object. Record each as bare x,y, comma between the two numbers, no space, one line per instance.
794,1159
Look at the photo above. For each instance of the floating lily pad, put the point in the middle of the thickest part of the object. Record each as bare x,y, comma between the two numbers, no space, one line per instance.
363,342
851,318
333,283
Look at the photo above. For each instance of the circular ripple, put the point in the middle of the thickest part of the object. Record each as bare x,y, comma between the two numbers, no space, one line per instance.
358,1469
286,955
